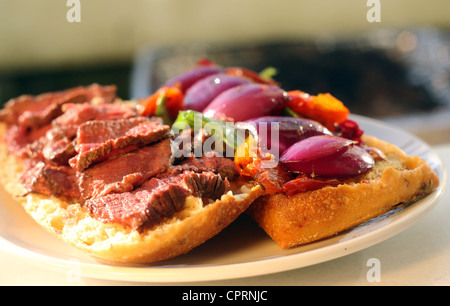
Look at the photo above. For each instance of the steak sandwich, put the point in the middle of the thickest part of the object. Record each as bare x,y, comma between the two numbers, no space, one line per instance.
107,176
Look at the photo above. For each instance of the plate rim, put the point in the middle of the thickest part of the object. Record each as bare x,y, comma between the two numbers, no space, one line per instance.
279,263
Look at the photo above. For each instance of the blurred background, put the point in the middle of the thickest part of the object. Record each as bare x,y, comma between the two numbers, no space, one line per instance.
397,70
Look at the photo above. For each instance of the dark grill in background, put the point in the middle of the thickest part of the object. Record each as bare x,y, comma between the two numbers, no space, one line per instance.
368,81
400,76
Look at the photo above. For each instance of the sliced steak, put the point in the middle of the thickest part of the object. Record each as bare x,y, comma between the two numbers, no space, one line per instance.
51,180
124,172
157,199
35,111
59,151
207,185
99,94
19,137
56,143
95,139
29,117
59,145
144,207
39,110
76,114
225,167
220,165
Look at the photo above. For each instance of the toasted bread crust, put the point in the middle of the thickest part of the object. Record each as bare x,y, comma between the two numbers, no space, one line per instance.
114,242
310,216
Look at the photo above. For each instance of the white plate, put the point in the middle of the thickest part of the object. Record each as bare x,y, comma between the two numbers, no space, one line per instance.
241,250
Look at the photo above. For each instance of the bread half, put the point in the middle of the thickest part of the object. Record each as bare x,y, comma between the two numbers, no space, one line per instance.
72,223
310,216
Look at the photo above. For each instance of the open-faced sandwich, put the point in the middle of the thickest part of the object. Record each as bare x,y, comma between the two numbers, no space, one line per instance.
148,180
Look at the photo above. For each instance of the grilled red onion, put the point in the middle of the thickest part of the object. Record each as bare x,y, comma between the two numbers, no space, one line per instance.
189,77
199,95
327,156
291,130
245,101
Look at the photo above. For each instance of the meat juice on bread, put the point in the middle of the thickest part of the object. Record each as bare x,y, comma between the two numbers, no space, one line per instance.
141,181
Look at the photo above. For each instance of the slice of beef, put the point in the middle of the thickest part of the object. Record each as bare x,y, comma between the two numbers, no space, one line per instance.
59,144
76,114
124,172
59,151
225,167
206,185
99,94
144,207
39,110
55,146
157,199
220,165
18,137
51,180
28,117
95,139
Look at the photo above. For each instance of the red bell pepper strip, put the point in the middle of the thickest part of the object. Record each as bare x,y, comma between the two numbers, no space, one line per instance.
323,108
172,97
304,183
249,161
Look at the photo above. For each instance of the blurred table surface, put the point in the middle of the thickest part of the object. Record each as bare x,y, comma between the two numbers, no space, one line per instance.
418,255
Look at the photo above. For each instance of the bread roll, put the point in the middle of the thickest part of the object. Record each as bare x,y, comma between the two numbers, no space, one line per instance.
310,216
